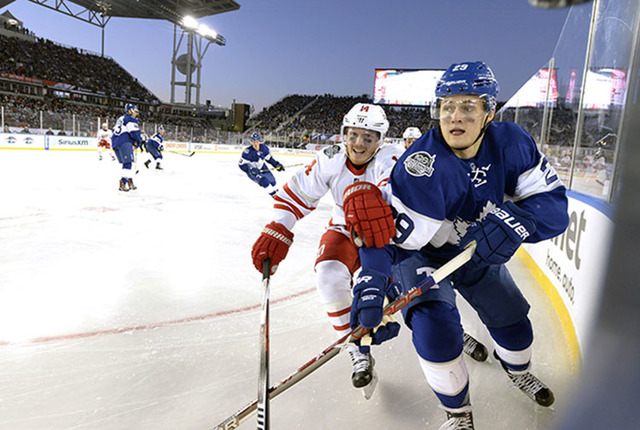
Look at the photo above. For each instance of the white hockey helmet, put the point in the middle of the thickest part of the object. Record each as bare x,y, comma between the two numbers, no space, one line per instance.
367,116
411,133
105,125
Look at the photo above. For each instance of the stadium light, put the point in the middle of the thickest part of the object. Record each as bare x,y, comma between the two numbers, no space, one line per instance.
207,32
189,23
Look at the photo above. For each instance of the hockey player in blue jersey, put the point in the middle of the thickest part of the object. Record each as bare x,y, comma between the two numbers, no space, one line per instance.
469,179
253,162
154,146
125,133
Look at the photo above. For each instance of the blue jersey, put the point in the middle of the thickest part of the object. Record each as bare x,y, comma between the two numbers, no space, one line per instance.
125,130
252,158
155,141
436,196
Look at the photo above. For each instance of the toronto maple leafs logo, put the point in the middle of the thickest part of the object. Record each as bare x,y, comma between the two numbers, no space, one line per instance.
420,164
460,226
478,175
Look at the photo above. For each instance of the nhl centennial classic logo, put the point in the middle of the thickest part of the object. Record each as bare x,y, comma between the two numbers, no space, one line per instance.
420,164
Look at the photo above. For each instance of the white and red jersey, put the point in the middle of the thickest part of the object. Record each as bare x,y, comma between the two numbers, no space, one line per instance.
330,171
104,138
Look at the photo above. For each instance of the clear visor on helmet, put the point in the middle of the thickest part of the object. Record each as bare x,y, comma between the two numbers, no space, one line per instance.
465,108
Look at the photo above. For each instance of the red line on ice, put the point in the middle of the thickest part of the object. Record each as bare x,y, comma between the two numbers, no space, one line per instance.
151,326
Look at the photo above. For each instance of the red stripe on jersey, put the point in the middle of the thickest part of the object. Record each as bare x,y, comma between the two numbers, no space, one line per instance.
288,209
341,327
382,182
280,202
340,312
295,198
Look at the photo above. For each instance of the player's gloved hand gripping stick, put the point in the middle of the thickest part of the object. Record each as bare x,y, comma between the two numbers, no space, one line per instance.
332,350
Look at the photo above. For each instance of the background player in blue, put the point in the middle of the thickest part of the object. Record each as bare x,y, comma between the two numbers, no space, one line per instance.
469,179
155,147
252,162
125,133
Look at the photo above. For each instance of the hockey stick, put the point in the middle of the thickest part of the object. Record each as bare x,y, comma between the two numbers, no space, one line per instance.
182,153
286,167
263,378
332,350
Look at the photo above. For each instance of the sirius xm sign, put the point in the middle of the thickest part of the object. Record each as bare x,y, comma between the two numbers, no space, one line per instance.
70,142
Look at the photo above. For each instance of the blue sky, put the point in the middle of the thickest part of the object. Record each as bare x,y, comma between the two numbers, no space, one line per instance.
275,48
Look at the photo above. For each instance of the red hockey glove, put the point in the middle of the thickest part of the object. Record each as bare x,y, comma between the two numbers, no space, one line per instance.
367,215
273,243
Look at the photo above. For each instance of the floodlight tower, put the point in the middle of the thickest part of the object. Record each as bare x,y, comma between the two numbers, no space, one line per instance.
198,39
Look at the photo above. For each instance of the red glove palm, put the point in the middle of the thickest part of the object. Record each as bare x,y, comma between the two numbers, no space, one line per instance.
273,243
368,217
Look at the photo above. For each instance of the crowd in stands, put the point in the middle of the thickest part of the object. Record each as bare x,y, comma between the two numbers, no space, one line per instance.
322,114
46,60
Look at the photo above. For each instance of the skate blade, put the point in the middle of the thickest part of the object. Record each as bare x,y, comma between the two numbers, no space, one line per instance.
367,390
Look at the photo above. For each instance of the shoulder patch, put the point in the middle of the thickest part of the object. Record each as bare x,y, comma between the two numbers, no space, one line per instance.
420,164
246,150
331,151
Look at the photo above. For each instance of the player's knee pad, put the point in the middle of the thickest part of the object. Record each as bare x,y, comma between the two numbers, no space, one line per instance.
127,165
450,379
436,331
514,337
333,281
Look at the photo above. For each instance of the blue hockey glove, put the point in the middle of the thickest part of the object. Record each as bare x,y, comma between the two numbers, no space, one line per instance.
160,147
499,235
369,299
254,172
279,167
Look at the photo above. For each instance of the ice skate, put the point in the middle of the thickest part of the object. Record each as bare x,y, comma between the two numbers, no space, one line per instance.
529,384
146,163
131,185
474,349
123,185
159,167
458,419
363,376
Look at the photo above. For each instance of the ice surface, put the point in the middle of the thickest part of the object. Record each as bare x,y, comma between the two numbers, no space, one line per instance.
140,310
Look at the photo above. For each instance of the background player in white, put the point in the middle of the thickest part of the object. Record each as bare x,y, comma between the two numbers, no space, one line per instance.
252,162
155,147
104,141
361,157
468,180
410,135
125,133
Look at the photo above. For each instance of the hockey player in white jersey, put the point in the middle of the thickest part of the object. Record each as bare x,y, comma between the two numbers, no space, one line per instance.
410,135
361,158
104,141
469,179
155,146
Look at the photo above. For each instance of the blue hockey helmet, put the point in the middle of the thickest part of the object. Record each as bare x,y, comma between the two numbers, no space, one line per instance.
161,128
474,78
130,106
256,136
